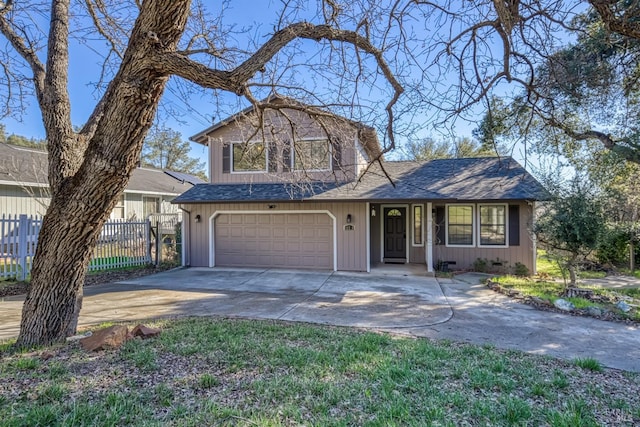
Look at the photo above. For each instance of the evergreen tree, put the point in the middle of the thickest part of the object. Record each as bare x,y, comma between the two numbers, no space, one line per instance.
165,149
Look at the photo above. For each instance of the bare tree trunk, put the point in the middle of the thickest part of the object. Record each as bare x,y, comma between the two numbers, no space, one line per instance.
82,200
572,267
89,169
53,302
632,257
572,274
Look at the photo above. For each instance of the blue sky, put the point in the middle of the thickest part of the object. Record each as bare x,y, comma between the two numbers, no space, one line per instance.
192,114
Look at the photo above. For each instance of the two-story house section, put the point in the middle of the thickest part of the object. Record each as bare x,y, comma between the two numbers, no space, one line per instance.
302,144
290,188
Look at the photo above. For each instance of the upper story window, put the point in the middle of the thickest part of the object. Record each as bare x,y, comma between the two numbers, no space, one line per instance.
460,225
493,225
249,157
312,155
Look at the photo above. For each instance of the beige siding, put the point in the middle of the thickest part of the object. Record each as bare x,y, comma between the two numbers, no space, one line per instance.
351,245
15,200
465,257
280,132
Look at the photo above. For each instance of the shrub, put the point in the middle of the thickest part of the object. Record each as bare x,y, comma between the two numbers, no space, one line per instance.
521,270
481,265
613,247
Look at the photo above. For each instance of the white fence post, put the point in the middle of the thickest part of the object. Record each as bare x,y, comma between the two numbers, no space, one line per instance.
23,248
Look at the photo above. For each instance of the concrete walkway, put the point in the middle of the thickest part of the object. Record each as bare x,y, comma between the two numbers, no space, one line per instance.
482,316
389,300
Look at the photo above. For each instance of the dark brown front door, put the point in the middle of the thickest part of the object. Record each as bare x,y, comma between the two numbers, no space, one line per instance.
395,233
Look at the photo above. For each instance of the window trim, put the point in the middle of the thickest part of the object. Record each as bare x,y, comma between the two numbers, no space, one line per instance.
266,154
413,225
473,225
158,202
294,154
506,225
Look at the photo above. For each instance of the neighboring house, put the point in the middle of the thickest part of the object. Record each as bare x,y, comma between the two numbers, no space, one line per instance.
291,189
24,188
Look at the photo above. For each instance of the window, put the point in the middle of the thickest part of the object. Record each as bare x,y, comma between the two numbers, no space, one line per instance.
394,212
417,226
493,225
118,209
249,157
150,205
459,225
312,155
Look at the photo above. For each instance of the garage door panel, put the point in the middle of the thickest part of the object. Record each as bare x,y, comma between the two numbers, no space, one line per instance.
301,240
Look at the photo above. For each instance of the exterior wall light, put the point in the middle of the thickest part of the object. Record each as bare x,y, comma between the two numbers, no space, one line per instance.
348,218
198,218
373,211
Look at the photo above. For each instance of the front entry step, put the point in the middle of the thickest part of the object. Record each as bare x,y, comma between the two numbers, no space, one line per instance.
395,260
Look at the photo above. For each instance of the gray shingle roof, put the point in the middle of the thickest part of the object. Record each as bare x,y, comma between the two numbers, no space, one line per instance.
28,167
488,178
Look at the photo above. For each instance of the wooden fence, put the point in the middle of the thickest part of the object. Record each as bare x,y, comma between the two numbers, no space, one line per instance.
121,244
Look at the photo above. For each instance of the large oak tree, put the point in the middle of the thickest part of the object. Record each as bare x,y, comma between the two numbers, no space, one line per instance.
342,55
89,167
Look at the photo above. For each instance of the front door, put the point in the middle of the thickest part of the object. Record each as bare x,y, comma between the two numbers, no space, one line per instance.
395,233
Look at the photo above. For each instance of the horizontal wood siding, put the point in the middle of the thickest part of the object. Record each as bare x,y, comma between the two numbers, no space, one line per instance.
465,257
351,245
15,200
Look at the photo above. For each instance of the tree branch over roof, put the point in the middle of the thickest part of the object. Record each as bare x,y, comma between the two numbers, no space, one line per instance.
236,80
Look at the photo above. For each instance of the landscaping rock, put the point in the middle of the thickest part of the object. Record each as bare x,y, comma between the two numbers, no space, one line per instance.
79,336
564,305
111,337
594,311
145,332
623,306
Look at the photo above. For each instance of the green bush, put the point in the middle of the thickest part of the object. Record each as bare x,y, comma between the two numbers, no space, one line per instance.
521,270
613,247
481,265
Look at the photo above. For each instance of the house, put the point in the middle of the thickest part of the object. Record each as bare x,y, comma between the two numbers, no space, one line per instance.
24,188
291,187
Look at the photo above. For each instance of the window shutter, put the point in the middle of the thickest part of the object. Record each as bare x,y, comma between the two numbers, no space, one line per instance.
514,225
226,158
272,148
336,146
286,156
440,226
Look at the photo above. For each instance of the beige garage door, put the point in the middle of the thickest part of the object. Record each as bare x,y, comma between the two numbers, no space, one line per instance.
300,240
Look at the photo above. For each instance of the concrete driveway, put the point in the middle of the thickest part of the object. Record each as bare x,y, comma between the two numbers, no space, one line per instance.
459,309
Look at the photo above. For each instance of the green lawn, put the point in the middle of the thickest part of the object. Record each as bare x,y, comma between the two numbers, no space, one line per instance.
265,373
